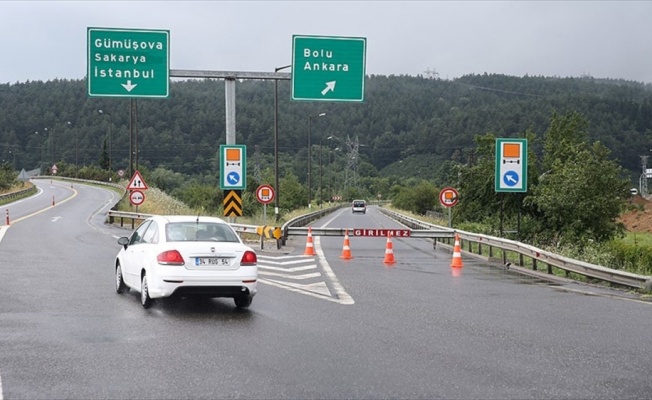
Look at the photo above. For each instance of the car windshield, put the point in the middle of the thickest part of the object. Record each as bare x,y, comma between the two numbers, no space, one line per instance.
358,204
199,231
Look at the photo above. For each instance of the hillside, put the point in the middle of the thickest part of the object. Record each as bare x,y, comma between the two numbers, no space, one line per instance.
639,220
406,127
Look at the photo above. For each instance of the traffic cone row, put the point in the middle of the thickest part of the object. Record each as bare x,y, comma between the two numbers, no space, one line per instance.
310,248
389,249
457,253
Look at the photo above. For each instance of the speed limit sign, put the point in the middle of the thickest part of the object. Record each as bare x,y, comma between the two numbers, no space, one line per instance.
136,197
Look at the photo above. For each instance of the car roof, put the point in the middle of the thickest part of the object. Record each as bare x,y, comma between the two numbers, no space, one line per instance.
188,218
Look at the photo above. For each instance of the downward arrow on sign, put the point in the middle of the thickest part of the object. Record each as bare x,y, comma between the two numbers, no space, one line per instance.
129,86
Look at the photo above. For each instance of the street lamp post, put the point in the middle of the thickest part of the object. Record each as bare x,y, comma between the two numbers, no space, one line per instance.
321,173
310,156
76,151
110,136
14,157
41,162
276,182
50,144
320,166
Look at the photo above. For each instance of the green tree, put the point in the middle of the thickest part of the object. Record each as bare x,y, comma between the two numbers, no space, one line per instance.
104,156
579,196
8,176
419,199
293,195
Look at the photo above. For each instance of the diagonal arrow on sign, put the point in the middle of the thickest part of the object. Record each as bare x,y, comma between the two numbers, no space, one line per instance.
330,87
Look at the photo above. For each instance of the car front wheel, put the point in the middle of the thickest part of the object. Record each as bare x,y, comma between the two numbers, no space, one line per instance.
120,286
145,300
243,301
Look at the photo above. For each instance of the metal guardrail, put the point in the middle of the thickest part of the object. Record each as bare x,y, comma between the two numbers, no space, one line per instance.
537,255
421,229
65,178
15,195
133,218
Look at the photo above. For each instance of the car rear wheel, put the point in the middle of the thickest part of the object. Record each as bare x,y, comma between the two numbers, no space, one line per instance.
243,301
145,300
120,286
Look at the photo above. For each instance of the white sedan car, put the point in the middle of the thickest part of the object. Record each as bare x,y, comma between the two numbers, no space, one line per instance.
186,256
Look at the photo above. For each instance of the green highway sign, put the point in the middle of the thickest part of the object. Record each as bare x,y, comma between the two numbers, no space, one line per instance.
326,68
511,165
128,62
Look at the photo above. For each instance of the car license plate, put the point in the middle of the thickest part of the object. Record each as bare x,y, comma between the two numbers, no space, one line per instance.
212,261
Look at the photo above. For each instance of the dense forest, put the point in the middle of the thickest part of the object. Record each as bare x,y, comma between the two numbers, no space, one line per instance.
409,138
407,127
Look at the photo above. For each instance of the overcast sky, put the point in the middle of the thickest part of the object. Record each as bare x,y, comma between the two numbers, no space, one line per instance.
605,39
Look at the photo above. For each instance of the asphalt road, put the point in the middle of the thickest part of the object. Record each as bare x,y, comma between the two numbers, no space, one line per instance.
320,327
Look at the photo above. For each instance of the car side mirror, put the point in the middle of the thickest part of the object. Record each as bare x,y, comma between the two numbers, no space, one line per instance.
123,241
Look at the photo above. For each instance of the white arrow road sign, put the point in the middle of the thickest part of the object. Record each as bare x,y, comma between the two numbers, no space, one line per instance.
330,87
129,86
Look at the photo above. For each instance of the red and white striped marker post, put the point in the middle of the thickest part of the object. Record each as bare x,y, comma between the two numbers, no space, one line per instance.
7,220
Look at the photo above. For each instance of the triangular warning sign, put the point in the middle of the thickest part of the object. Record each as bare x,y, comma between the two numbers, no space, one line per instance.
137,182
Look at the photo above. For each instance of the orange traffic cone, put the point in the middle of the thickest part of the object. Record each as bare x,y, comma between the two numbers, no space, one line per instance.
457,253
346,249
310,249
389,250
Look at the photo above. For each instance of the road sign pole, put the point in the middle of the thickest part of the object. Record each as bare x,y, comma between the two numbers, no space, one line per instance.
264,214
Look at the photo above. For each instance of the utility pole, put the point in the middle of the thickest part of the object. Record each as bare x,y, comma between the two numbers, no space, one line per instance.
351,174
643,180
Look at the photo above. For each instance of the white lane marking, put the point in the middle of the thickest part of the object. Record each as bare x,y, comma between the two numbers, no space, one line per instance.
0,387
3,230
55,219
285,257
270,260
293,269
339,289
288,276
292,288
319,288
46,209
